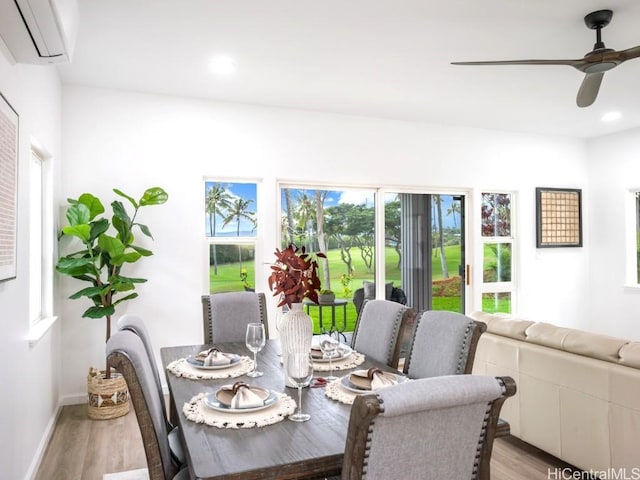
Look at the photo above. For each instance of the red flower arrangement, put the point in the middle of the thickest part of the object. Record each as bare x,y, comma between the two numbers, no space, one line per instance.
295,275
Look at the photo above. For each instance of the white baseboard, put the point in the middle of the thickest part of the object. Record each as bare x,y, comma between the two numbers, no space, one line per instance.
42,446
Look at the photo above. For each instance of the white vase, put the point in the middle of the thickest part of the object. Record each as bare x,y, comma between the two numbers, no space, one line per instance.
296,332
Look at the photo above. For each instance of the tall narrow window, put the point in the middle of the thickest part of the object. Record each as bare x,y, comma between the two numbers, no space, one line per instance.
231,229
497,238
41,239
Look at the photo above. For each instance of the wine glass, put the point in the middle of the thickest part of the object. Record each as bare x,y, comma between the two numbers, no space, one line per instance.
300,371
329,347
255,341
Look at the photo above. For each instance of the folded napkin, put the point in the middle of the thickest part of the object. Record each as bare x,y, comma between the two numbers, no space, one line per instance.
316,351
242,395
372,379
213,357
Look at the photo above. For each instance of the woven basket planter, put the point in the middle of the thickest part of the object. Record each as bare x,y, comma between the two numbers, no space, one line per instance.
108,397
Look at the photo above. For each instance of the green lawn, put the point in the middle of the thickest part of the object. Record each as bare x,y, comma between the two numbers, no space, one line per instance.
228,279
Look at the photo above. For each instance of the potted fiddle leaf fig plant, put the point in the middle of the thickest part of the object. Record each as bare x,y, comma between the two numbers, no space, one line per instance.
107,248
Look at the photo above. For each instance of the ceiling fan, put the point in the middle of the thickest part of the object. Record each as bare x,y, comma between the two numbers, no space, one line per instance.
593,64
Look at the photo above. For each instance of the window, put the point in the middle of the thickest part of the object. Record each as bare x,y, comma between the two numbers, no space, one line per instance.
633,238
231,230
41,238
497,241
341,223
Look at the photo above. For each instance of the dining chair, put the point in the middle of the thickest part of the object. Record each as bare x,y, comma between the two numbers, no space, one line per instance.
431,428
443,343
136,325
378,330
127,354
225,315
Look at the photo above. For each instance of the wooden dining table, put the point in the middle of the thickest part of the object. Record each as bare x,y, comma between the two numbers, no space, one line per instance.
284,450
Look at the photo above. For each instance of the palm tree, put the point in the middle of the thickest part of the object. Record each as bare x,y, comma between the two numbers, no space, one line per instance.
454,210
237,211
217,201
321,195
305,212
443,261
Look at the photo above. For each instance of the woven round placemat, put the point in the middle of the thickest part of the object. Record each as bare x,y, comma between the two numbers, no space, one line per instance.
352,361
182,368
196,411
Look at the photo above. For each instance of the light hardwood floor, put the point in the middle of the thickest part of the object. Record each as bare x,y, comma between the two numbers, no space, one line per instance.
84,449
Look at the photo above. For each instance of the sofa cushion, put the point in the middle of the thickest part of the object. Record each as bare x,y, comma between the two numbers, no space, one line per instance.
593,345
630,354
501,324
546,334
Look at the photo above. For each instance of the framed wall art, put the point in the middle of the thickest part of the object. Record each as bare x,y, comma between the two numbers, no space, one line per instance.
8,189
558,217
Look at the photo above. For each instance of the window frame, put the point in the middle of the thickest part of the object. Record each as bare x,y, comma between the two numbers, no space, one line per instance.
498,287
242,240
42,240
632,227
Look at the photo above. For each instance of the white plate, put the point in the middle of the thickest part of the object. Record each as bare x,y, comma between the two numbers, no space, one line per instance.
210,401
344,350
191,360
352,388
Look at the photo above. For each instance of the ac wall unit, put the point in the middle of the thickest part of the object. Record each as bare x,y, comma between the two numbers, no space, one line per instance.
39,31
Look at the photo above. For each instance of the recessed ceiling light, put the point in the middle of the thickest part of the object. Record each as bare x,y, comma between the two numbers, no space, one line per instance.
611,116
222,65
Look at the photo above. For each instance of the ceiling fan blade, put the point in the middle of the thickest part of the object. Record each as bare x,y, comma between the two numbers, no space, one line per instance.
629,53
589,89
572,63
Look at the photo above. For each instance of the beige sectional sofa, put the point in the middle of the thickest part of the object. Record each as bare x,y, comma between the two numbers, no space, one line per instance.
578,393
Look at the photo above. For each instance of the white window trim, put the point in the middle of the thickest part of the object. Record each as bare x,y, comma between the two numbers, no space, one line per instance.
42,321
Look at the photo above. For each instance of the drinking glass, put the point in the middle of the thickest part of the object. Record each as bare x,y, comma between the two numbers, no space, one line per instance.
300,371
255,340
329,347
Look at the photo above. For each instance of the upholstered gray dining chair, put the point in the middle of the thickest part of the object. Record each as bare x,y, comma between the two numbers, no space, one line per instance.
136,325
225,315
431,429
127,354
378,330
443,343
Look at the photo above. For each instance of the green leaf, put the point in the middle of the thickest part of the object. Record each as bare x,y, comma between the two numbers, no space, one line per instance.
87,292
112,245
98,228
142,251
124,299
78,214
120,212
132,280
129,257
75,266
123,229
99,311
92,203
83,232
145,230
154,196
122,194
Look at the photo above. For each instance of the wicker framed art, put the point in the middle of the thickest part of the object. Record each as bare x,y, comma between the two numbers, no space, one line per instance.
558,217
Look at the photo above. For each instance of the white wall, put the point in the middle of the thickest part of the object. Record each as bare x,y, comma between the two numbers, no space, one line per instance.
133,141
30,376
614,164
